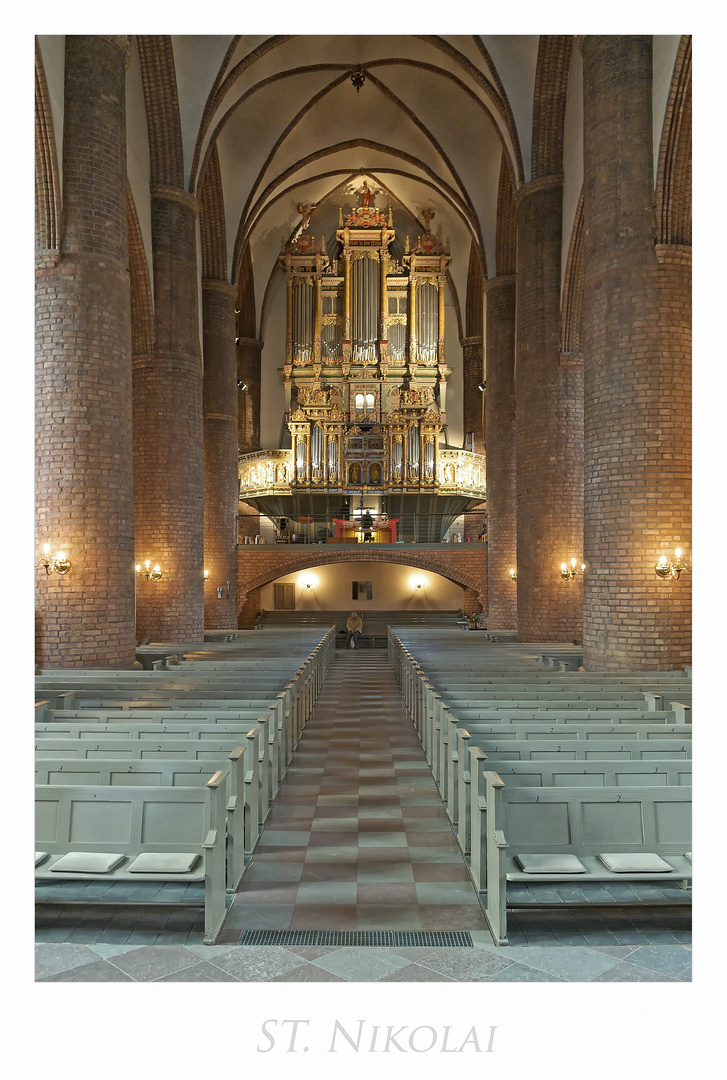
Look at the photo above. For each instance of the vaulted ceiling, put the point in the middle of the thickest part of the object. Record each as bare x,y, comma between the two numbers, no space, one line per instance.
431,126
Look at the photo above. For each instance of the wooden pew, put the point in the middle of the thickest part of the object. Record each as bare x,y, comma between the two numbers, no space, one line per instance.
634,772
526,750
593,824
170,749
619,738
158,736
156,822
107,772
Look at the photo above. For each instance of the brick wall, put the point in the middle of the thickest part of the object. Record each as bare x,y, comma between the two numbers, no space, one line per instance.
637,385
84,500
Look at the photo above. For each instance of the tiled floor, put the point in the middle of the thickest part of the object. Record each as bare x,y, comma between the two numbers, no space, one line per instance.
358,840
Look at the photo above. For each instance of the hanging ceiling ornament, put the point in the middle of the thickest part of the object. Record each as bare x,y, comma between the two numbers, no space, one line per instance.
358,79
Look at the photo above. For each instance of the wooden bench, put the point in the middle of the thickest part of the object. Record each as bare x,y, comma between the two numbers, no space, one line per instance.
442,723
453,772
99,735
459,805
105,772
207,751
603,772
592,824
279,734
128,822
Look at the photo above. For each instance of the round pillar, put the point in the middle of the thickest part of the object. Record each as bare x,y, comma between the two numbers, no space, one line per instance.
84,493
500,426
636,345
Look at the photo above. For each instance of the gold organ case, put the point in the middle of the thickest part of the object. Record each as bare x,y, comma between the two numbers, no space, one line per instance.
365,379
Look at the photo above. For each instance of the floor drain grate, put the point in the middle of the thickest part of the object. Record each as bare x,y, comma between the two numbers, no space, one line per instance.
433,938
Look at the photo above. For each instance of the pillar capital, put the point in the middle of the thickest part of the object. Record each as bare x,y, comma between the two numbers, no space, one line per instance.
122,42
165,191
534,187
217,285
500,282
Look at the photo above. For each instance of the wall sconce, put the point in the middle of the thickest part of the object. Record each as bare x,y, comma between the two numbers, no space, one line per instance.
572,571
241,385
206,575
307,581
482,386
418,583
664,569
513,575
151,573
58,565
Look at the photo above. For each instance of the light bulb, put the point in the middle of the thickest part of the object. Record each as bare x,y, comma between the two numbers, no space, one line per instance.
147,563
46,549
572,562
157,568
61,556
662,560
678,553
138,568
563,566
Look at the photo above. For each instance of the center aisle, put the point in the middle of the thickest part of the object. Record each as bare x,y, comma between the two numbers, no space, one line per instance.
358,838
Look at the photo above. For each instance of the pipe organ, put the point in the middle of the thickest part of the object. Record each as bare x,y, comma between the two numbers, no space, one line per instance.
365,372
364,357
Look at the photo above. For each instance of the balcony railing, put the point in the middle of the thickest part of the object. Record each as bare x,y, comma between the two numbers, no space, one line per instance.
269,472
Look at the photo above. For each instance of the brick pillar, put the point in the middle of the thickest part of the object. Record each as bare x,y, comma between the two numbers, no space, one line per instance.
168,455
220,453
84,494
549,471
500,425
248,420
636,345
473,374
248,372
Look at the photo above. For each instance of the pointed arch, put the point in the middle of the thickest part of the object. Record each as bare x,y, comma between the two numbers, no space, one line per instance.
47,176
159,81
506,236
572,307
674,173
142,302
212,221
551,84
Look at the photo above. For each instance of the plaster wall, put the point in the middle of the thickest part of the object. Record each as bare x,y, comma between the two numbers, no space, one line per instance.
394,588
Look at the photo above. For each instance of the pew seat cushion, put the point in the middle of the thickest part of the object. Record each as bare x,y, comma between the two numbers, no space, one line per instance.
164,862
551,864
88,862
40,856
636,862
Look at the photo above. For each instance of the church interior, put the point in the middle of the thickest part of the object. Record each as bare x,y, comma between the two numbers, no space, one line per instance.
393,325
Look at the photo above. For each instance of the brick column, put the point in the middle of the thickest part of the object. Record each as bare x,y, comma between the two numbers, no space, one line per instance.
84,494
549,468
473,374
220,453
500,426
636,345
248,372
168,456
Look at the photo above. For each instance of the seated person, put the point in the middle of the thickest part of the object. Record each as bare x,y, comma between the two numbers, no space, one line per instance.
367,524
354,625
